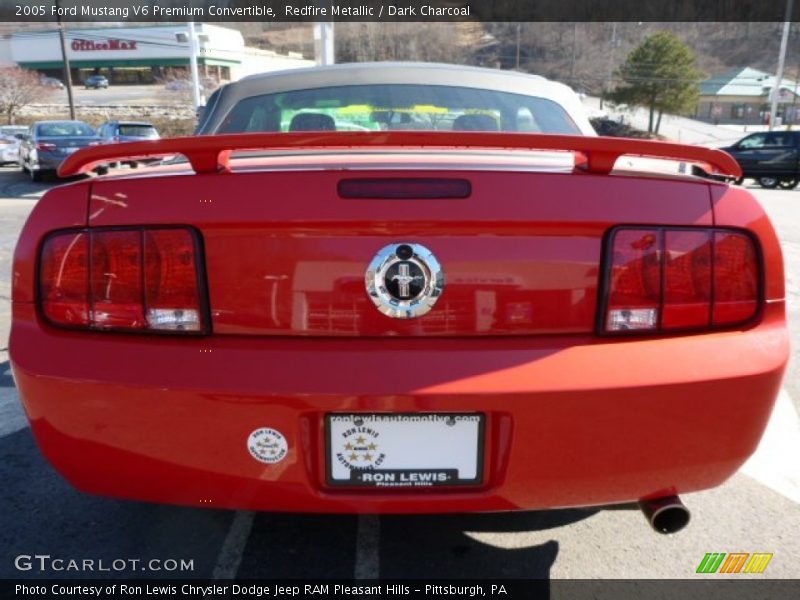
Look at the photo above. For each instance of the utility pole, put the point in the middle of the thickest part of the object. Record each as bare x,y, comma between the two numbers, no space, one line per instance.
193,52
193,40
67,73
323,43
610,78
794,99
574,52
776,89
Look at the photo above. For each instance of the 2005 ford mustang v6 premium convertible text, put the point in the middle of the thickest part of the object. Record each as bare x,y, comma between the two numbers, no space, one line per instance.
399,288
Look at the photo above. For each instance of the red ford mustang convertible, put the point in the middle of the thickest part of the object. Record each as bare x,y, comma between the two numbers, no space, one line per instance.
399,288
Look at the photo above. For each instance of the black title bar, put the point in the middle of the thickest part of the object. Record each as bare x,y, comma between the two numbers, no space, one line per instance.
46,11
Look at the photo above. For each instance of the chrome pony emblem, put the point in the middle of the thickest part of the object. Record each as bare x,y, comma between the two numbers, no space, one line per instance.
404,280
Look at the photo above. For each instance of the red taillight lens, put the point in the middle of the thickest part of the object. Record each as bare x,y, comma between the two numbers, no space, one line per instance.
635,295
171,293
663,279
736,278
116,271
45,147
122,279
687,279
64,279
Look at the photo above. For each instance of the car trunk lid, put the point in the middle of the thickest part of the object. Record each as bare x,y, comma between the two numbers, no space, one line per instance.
286,254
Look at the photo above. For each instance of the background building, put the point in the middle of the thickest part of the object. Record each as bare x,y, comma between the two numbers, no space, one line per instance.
743,96
131,55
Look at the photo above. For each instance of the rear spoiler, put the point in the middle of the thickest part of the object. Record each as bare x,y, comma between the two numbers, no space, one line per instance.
211,153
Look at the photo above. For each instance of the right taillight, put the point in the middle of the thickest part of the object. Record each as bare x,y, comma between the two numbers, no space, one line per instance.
671,279
123,279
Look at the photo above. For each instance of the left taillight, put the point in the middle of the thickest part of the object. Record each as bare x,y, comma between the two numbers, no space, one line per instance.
132,279
661,279
64,279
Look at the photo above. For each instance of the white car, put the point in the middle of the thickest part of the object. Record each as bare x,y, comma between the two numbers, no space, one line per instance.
10,138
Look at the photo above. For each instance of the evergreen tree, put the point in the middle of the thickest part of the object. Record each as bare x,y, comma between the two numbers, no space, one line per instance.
660,74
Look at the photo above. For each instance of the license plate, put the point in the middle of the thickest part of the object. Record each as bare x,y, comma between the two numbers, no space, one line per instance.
404,450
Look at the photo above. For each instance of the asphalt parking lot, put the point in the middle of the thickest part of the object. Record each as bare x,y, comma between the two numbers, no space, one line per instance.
758,510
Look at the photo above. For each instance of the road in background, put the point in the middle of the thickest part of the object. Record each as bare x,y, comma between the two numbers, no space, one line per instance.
673,127
122,95
754,512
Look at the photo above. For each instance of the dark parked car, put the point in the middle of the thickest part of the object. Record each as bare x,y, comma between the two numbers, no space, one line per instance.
114,132
47,143
96,82
772,158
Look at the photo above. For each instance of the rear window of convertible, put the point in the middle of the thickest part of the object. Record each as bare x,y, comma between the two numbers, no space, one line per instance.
397,107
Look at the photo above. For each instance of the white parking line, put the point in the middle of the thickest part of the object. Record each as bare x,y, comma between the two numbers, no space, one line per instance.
12,417
230,555
368,561
776,462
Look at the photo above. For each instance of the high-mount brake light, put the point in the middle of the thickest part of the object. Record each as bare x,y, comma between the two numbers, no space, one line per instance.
661,279
404,188
132,279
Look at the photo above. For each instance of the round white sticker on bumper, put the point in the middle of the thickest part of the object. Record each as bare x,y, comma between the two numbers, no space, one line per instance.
267,445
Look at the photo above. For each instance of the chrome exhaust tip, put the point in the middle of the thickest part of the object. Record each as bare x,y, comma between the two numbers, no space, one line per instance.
666,515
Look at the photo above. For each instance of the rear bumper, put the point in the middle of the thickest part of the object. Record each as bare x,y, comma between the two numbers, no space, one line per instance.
47,161
569,420
9,156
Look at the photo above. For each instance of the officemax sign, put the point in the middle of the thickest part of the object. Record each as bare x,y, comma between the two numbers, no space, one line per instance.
94,45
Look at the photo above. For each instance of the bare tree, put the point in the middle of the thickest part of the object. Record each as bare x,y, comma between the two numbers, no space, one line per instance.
19,88
179,85
430,42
